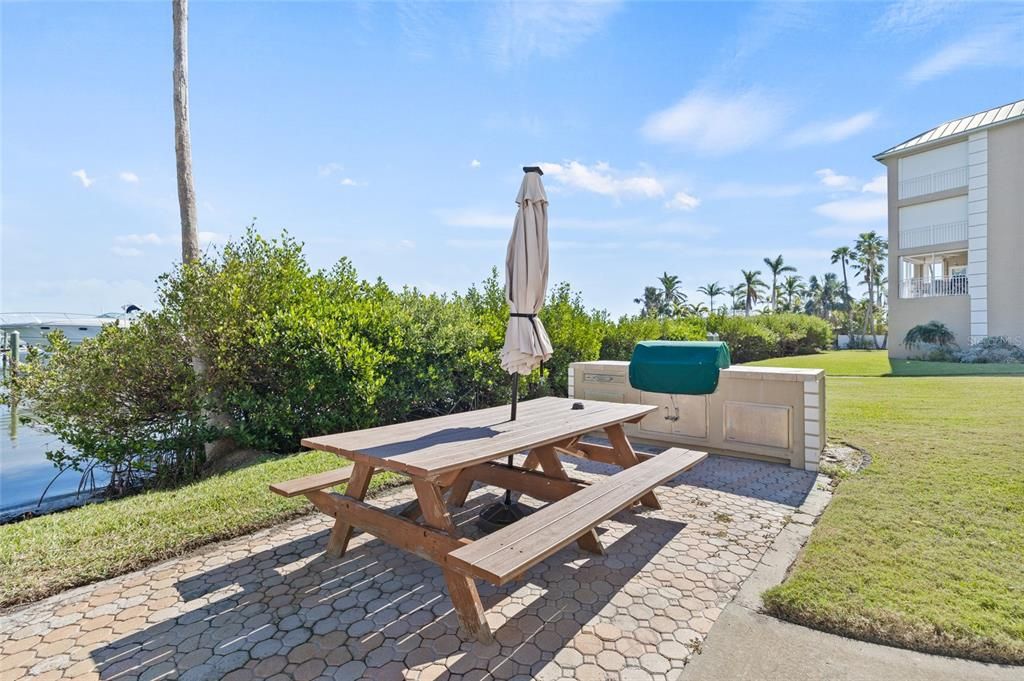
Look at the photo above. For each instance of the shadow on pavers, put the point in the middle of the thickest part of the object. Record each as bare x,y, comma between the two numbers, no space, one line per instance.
378,606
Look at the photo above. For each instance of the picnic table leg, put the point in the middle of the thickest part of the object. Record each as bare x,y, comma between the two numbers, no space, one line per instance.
356,488
627,458
461,588
552,467
460,489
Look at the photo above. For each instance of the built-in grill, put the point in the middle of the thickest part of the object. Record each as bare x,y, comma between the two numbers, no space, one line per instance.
702,402
678,367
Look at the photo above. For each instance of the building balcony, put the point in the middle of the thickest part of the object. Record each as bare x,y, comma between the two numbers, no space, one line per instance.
943,180
931,287
934,234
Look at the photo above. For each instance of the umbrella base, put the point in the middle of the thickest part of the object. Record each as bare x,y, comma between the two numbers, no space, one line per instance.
499,515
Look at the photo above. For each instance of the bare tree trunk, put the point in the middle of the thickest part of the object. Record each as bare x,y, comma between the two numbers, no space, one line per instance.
187,198
182,137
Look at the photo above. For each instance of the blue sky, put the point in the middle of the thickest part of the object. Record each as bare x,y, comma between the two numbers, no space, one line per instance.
690,138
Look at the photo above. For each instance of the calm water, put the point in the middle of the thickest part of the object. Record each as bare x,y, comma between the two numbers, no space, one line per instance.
24,469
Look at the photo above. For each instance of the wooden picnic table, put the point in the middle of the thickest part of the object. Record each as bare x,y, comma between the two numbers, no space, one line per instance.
445,455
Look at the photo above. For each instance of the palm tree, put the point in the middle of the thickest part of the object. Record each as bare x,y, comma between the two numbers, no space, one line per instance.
813,290
694,309
870,252
737,296
777,267
182,136
711,290
671,294
752,287
793,288
843,255
829,292
651,303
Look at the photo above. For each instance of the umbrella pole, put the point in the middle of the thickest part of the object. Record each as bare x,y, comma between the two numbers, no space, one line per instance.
515,400
515,395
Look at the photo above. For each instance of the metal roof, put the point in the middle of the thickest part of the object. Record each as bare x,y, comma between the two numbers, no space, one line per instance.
961,126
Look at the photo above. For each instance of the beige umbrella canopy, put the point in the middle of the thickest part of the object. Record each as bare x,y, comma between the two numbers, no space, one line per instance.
526,342
526,279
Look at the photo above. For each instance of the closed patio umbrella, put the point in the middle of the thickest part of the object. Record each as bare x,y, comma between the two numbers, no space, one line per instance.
526,280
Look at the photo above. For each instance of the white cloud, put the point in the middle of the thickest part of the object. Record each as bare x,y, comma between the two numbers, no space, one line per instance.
518,31
854,210
129,177
474,163
833,131
329,169
349,182
743,190
126,252
407,244
990,47
206,238
83,178
877,185
682,201
831,179
916,16
715,123
139,239
602,179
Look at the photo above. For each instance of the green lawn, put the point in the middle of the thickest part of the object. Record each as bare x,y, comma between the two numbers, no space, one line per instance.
877,363
49,554
925,547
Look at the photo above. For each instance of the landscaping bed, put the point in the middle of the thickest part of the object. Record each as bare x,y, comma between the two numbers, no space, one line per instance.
46,555
923,548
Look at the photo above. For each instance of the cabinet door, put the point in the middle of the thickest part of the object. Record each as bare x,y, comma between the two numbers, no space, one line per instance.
691,412
657,421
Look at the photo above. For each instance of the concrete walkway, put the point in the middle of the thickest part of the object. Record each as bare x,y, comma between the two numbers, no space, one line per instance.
745,645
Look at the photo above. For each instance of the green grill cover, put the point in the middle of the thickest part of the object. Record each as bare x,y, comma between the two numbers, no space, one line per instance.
678,367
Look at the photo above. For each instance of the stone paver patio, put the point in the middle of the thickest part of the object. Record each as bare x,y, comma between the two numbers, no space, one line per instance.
270,605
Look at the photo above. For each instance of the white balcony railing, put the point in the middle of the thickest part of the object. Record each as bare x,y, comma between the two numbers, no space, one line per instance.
933,182
929,287
934,234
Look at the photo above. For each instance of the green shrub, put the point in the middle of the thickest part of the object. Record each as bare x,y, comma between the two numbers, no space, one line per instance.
576,336
126,401
747,339
275,352
620,338
932,333
288,352
799,334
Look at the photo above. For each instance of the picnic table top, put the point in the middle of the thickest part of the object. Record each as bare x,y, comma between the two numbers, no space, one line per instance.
431,447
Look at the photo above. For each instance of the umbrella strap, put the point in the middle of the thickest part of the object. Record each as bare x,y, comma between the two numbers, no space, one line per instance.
533,323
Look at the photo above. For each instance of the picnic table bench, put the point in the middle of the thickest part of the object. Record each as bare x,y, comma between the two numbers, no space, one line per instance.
446,455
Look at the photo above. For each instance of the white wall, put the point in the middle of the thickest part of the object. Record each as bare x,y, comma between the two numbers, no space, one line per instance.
934,161
933,213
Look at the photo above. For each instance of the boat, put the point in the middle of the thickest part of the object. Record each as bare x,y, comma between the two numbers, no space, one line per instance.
34,327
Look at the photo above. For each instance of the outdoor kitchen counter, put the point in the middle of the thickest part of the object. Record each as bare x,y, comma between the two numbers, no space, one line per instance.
765,413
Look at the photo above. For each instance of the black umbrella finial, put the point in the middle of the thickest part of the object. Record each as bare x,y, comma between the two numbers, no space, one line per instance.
533,169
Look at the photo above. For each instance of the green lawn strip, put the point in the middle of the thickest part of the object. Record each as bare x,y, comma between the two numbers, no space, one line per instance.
903,367
46,555
923,548
877,363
